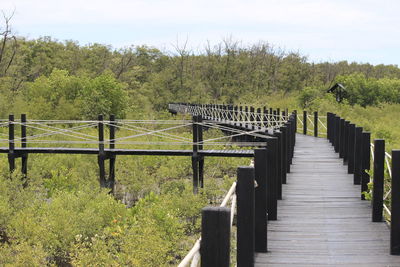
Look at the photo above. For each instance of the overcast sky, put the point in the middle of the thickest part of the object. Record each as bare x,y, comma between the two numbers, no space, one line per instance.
324,30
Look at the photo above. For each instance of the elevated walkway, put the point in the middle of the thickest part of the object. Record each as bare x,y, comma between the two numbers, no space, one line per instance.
322,220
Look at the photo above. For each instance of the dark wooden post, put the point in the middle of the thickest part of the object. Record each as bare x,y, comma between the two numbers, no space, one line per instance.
341,138
101,156
283,130
350,148
258,116
215,237
337,133
246,110
265,117
111,178
24,156
295,120
346,142
245,216
195,157
201,158
288,146
316,123
379,170
260,167
328,126
11,143
395,217
279,156
366,159
304,122
272,179
357,155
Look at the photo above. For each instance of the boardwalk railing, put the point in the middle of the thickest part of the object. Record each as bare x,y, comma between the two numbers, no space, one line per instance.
312,124
255,205
357,151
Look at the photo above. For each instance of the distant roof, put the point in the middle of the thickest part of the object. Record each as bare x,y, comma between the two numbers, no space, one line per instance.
335,87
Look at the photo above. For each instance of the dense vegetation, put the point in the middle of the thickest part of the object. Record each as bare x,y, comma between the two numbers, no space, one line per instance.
63,218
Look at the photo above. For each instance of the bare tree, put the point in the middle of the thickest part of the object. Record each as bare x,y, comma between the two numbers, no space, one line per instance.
8,44
183,54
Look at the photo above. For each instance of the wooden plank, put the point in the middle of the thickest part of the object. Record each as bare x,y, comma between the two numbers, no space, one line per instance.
321,219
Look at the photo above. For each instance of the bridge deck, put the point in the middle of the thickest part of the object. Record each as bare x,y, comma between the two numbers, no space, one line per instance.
321,219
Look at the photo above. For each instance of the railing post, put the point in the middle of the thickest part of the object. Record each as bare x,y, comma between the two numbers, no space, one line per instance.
379,170
288,146
265,117
111,178
260,167
279,156
258,118
24,156
328,126
357,155
195,157
11,143
395,217
245,217
366,159
304,122
101,156
341,139
295,120
337,134
315,123
272,178
350,148
283,130
346,142
215,237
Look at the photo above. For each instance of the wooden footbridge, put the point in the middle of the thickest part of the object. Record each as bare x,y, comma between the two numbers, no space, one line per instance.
309,201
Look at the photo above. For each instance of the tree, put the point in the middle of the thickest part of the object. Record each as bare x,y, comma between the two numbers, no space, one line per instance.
8,45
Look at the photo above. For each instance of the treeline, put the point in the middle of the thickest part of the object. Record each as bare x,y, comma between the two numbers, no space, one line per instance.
92,79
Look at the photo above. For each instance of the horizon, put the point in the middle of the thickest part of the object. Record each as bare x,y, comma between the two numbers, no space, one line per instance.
323,31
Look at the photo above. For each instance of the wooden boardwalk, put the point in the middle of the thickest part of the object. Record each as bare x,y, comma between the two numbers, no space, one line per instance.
321,219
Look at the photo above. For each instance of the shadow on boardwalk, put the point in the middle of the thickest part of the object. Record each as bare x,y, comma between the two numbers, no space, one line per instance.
322,219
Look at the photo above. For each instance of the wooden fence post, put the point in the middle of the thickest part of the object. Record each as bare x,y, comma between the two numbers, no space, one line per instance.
341,139
24,156
11,143
245,216
350,148
260,167
379,170
111,178
395,217
337,133
288,146
272,178
283,130
328,126
279,156
215,237
357,155
346,142
315,123
195,156
101,156
366,159
304,122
